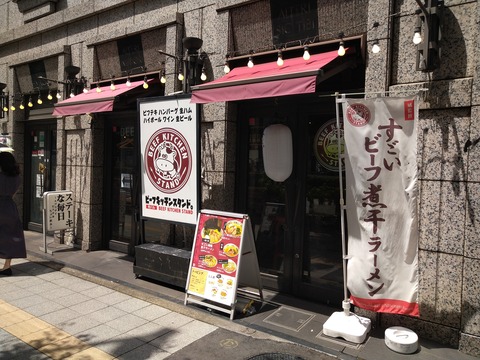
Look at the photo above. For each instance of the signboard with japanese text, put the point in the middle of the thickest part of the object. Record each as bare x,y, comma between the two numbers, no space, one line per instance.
381,178
223,255
59,211
169,159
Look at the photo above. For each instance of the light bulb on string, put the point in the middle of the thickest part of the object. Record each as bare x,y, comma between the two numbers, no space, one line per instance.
5,108
417,37
180,77
280,59
72,94
128,83
145,83
49,96
163,79
341,49
306,53
226,68
99,89
30,104
39,100
59,96
203,77
112,85
250,62
375,47
13,108
22,106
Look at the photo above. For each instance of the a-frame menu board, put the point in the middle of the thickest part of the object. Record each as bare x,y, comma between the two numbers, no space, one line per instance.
224,261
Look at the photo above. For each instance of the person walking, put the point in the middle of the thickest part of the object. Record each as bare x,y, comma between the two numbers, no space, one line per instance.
12,238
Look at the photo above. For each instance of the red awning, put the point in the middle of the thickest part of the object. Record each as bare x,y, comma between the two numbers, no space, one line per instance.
93,101
295,76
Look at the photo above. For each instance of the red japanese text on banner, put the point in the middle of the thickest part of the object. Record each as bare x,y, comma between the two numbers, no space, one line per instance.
381,189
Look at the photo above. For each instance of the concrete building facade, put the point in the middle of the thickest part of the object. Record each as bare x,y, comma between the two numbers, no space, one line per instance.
62,46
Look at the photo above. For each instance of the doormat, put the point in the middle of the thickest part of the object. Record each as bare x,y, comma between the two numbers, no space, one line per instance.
289,318
338,341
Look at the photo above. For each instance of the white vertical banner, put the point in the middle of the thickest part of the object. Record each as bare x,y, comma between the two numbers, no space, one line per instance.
381,200
169,159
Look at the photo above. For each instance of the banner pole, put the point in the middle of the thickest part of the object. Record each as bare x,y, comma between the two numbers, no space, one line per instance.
341,156
345,324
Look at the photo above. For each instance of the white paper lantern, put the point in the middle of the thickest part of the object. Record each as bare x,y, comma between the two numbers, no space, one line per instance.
277,152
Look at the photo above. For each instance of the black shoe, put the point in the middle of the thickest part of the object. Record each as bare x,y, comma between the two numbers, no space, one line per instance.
6,272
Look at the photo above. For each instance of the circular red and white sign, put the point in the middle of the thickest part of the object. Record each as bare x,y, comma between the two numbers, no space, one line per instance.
168,160
326,145
358,115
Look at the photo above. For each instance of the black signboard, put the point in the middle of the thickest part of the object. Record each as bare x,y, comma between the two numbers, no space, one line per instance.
293,20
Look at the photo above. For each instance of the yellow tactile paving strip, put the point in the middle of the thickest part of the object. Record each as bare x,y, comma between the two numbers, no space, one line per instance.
44,337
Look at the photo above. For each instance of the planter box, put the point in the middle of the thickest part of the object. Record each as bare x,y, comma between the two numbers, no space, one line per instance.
162,263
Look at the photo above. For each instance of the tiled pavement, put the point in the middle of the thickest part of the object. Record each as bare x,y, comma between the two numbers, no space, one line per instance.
51,314
91,306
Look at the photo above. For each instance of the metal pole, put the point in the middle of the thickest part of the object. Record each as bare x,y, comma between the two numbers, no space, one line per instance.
338,102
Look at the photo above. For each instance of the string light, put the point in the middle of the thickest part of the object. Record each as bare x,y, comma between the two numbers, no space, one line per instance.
280,58
49,96
417,37
59,96
250,62
99,89
375,47
30,104
226,67
5,108
181,77
306,53
128,83
112,85
39,100
21,105
203,77
72,93
341,49
163,78
85,89
145,83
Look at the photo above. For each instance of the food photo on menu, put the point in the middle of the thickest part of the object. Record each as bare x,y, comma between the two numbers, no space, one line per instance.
219,247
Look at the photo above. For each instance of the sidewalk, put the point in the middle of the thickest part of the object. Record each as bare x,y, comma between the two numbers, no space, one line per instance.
92,280
51,314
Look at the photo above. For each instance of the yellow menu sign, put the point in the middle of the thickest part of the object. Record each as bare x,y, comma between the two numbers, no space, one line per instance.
198,280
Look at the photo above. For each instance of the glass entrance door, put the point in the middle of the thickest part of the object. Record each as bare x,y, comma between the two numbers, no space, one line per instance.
120,197
296,222
40,163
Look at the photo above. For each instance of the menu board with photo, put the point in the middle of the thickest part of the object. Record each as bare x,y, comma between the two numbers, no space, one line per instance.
216,262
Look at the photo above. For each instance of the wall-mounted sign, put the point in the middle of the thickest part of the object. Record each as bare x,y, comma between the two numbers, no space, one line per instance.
223,257
169,159
326,145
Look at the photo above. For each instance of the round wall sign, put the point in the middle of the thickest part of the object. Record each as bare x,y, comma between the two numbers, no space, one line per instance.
326,145
168,160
